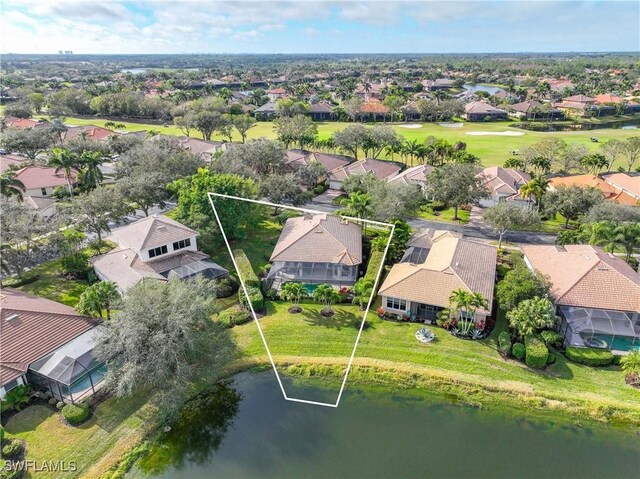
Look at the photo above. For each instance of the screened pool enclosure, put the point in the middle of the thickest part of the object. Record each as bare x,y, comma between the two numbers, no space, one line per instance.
599,328
70,373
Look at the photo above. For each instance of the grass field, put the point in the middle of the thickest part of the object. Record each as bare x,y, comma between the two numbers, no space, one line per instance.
492,150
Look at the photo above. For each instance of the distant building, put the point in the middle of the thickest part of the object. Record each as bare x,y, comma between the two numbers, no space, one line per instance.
483,111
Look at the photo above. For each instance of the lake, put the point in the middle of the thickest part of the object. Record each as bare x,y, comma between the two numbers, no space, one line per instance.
247,430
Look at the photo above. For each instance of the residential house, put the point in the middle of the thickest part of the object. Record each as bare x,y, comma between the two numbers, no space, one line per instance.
483,111
416,175
609,189
12,162
276,93
580,105
597,295
42,180
90,132
268,111
628,183
25,123
438,84
203,149
371,91
373,110
44,206
435,264
560,86
296,158
534,110
381,169
317,249
48,346
155,247
321,111
503,184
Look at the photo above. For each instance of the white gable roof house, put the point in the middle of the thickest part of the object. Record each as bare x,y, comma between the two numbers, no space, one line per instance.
156,247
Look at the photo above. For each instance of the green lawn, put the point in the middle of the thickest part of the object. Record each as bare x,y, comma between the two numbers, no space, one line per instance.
444,215
115,427
309,338
492,150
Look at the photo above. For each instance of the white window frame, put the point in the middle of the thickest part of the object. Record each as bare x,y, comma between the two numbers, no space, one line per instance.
397,304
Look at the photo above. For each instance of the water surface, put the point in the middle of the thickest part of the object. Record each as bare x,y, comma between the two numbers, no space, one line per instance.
249,431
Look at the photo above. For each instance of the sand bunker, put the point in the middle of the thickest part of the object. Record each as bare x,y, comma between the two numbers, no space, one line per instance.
495,133
412,126
452,125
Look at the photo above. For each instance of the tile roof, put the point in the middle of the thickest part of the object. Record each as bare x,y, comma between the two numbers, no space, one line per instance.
34,177
40,327
579,99
415,174
39,203
92,132
150,232
268,107
609,190
374,106
626,182
452,263
24,123
607,98
319,238
7,161
296,158
320,107
481,107
503,180
380,168
586,276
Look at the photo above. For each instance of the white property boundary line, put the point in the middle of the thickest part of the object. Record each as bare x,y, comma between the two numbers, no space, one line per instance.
255,317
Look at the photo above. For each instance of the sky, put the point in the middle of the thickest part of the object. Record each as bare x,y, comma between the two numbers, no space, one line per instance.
318,26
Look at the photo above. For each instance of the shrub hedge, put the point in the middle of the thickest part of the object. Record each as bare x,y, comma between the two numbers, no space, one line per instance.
518,350
226,287
75,413
20,280
589,356
504,343
255,297
233,316
247,274
375,260
552,338
536,352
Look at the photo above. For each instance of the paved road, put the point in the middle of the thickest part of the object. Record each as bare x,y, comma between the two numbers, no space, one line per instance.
473,231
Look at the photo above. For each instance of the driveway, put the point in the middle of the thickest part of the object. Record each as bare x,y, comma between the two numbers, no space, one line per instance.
327,197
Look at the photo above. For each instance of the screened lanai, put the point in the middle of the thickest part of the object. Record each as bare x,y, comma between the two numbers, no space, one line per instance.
599,328
70,373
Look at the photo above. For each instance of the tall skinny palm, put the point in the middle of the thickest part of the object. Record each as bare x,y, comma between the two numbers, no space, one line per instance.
90,162
358,205
67,161
11,186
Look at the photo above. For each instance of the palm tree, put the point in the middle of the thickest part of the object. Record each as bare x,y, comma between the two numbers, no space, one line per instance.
541,164
67,161
98,297
294,292
91,173
17,397
461,303
535,187
412,149
327,295
363,291
11,186
630,364
630,234
607,235
358,205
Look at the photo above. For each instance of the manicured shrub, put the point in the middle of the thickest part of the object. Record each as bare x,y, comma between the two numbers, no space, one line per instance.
75,266
375,260
234,315
11,448
20,280
255,297
226,287
536,352
504,343
245,270
271,294
75,413
551,358
552,338
518,350
589,356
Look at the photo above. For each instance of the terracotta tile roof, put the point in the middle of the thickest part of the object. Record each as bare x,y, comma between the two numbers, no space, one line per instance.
380,168
296,158
579,99
6,161
319,238
150,232
92,132
34,177
24,123
609,190
41,326
607,98
628,183
504,180
373,106
415,174
481,107
586,276
452,263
